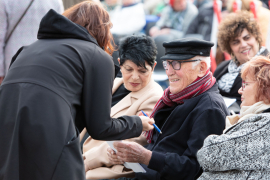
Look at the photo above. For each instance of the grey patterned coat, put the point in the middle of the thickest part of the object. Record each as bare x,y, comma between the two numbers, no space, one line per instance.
242,152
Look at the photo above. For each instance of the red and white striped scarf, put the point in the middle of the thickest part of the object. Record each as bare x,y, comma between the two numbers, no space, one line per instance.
197,87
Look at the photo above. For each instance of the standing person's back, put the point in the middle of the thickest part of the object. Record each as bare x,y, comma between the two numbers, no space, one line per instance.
62,79
26,31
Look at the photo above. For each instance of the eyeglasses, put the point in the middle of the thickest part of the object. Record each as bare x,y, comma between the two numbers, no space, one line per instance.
244,84
176,65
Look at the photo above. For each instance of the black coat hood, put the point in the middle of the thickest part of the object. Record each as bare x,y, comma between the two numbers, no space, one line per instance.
56,26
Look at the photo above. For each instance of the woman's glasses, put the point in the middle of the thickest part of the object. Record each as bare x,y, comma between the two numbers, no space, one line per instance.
244,84
176,65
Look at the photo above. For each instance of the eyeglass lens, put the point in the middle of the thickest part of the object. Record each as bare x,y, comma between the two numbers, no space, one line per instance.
176,65
243,85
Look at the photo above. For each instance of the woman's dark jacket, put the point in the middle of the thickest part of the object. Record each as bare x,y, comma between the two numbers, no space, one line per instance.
184,128
62,78
222,69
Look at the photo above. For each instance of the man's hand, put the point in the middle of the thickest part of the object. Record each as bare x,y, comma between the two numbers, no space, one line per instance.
130,152
113,157
147,123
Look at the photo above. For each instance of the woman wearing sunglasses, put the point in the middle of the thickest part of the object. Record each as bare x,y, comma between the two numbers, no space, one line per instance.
242,152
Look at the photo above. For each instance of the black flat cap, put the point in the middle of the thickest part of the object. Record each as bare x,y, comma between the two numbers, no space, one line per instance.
186,48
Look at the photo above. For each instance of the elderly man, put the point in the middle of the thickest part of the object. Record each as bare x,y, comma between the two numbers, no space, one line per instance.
190,110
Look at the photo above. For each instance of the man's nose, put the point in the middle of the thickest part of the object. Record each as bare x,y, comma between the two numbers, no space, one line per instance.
170,71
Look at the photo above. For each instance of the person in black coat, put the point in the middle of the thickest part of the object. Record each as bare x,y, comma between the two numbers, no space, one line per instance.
63,78
190,110
239,35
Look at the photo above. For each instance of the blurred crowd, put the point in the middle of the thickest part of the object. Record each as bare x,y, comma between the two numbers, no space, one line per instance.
164,20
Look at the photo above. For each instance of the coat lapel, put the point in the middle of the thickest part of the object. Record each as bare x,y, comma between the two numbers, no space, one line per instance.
123,104
127,101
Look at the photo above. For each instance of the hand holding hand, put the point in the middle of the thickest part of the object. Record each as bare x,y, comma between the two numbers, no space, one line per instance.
132,152
113,157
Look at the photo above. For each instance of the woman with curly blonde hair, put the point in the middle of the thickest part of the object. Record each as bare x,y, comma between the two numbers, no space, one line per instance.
239,35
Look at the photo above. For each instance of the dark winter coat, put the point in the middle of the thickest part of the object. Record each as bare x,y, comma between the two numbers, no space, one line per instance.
184,128
61,78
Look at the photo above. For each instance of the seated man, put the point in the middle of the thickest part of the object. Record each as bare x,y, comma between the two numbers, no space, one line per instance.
175,19
190,110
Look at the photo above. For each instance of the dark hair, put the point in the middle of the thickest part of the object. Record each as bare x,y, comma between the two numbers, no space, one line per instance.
96,20
259,69
233,25
138,49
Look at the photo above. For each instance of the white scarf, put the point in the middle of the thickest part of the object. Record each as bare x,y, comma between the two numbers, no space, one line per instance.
226,82
245,112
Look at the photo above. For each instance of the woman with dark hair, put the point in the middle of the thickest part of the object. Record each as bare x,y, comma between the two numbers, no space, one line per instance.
242,151
239,35
66,76
135,92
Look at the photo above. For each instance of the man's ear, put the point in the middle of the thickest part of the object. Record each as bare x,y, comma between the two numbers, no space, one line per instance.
202,68
118,60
